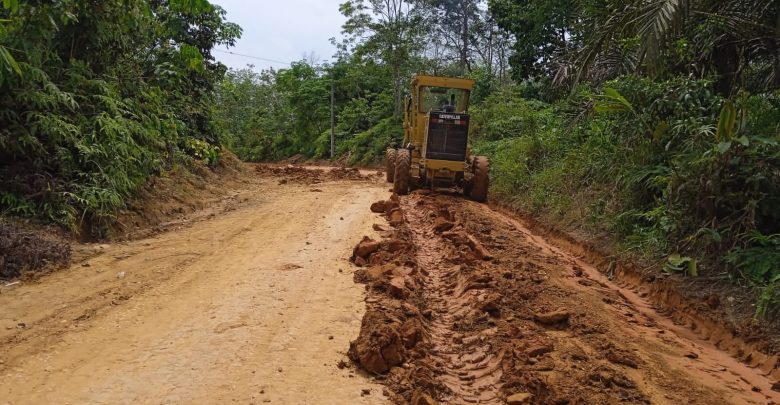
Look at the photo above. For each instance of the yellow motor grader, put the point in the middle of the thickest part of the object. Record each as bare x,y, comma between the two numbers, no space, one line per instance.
435,148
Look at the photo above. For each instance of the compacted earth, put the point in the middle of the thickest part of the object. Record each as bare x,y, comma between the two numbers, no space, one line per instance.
252,302
308,286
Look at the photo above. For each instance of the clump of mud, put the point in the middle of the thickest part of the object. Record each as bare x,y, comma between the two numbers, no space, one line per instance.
458,314
392,332
26,250
304,175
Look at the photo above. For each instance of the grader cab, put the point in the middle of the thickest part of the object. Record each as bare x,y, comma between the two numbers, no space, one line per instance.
435,148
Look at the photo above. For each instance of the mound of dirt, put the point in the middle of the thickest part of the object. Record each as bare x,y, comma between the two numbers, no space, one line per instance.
25,249
446,322
305,175
463,307
180,196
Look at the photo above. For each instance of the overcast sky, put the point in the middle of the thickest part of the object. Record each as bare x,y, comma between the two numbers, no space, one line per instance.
281,30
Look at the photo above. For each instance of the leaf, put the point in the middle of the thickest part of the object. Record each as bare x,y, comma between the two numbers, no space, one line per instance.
192,56
723,147
191,6
726,122
12,5
692,269
614,95
677,264
675,259
743,140
660,130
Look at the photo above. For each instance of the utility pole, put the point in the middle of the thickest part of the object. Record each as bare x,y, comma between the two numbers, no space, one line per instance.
332,118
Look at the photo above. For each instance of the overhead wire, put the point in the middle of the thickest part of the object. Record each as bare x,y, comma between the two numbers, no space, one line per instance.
251,56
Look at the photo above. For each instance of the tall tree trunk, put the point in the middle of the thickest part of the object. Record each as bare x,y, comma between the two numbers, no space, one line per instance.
464,38
397,91
490,51
777,55
726,63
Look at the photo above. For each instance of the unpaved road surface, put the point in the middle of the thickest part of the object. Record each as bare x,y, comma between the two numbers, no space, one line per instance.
453,303
254,305
468,306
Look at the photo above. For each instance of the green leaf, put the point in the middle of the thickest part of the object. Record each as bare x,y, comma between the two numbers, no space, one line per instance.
743,140
8,61
191,6
723,147
660,130
192,57
602,107
616,96
12,5
677,264
692,269
726,122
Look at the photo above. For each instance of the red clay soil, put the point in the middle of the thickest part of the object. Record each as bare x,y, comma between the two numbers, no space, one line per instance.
309,175
466,306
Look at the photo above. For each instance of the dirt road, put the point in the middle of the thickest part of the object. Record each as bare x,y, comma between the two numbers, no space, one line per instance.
476,308
254,305
257,304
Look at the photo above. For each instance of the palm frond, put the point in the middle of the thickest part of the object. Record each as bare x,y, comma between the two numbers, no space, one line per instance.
656,21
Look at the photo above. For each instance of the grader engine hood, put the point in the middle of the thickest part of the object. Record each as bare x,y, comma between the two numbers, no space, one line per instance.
447,136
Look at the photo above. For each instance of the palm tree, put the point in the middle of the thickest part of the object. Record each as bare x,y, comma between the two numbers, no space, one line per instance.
736,41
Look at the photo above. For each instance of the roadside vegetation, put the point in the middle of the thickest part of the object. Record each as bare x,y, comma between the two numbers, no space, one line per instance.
652,124
97,97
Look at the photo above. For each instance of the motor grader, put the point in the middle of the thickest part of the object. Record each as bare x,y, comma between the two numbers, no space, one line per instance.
435,149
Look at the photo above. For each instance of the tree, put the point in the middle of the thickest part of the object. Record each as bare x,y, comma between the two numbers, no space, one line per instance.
391,31
735,41
102,96
454,23
544,29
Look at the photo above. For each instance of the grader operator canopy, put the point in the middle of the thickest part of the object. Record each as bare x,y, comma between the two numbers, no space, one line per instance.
438,98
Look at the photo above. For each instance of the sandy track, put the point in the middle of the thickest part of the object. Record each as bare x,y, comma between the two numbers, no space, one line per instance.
255,305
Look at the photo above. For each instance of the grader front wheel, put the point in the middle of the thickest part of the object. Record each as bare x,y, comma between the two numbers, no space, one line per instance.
403,164
481,180
390,164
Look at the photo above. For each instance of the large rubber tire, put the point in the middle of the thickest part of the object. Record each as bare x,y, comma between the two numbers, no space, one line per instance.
390,164
481,181
403,172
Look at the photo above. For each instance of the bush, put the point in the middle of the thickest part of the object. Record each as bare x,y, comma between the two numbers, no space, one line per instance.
666,168
368,147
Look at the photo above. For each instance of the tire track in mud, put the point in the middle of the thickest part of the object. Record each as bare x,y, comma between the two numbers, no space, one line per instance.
469,369
464,307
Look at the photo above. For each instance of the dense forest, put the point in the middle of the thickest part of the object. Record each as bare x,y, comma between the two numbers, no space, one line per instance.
652,123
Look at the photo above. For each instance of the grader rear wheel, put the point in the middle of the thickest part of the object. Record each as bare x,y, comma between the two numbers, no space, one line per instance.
403,164
390,164
481,180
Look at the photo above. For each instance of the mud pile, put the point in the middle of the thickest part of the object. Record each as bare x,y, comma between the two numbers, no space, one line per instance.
457,315
305,175
392,334
346,173
291,174
27,250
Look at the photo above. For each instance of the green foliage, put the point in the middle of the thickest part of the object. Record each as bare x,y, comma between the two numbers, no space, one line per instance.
505,114
734,41
277,114
677,172
99,99
202,150
681,264
368,147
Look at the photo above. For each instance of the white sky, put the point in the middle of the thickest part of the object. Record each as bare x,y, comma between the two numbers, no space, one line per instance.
282,30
